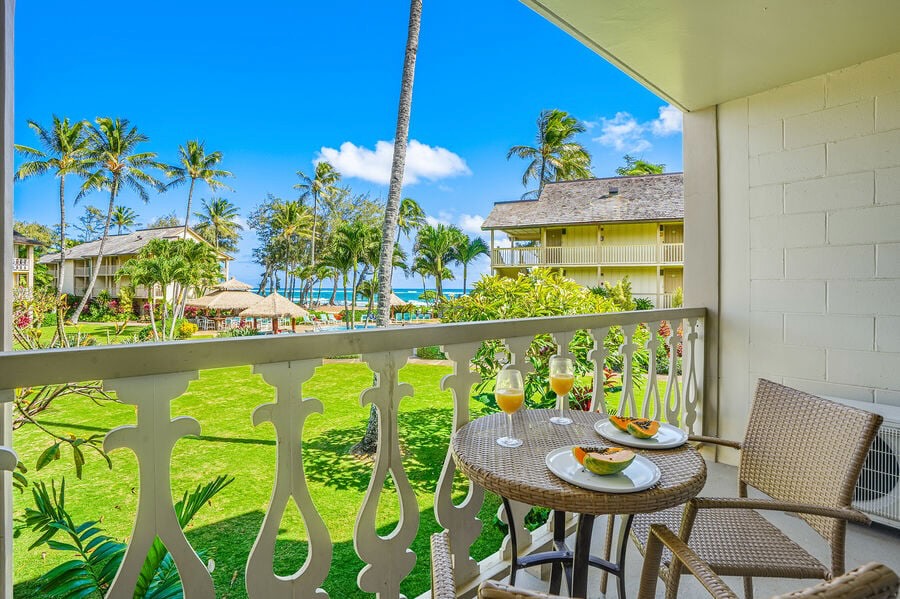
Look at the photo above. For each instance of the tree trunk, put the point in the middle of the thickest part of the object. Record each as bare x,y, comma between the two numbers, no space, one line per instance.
90,288
62,237
187,215
333,298
152,310
465,273
312,244
346,310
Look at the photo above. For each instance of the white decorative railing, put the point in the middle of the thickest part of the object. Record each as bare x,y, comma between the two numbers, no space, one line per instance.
151,376
591,255
105,271
21,264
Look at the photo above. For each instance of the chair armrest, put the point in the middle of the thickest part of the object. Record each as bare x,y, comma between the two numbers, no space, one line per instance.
661,536
871,581
490,589
843,513
715,441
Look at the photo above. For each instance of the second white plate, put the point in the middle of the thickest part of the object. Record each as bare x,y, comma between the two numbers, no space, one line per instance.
667,437
641,473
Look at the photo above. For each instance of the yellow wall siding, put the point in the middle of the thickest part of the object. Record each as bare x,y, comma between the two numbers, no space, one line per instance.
583,276
643,279
633,233
580,236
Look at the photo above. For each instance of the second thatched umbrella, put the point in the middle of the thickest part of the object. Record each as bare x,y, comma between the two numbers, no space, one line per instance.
230,295
275,306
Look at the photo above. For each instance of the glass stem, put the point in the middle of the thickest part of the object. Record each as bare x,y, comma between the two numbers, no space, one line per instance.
563,404
509,433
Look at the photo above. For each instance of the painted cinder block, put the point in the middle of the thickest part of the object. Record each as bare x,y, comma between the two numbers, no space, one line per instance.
887,186
864,368
766,200
788,360
866,80
879,224
767,263
830,262
887,112
787,166
887,260
797,98
887,333
880,150
831,124
794,230
830,331
876,297
788,296
830,193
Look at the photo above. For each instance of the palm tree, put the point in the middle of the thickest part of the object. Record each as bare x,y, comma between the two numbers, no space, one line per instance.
556,156
357,239
437,244
411,217
219,224
467,251
341,262
398,163
194,164
123,218
636,167
65,153
321,185
291,220
113,145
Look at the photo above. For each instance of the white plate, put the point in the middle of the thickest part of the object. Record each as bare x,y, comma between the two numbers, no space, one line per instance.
666,437
641,473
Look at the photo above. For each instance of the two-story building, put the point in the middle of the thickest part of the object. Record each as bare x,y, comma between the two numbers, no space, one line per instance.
82,259
23,260
597,230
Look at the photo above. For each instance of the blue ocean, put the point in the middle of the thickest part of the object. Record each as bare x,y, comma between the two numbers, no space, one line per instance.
413,296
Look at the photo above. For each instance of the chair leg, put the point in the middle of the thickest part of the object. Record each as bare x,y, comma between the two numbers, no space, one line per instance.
748,587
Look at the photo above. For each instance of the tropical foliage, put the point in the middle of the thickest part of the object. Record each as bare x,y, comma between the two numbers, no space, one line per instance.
194,164
635,167
556,155
219,224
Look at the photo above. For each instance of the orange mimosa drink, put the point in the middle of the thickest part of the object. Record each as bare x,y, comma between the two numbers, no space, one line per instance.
509,400
562,383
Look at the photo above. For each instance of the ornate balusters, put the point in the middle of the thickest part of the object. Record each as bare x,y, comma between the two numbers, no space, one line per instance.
388,559
692,389
287,415
652,402
460,520
673,400
598,357
627,404
152,440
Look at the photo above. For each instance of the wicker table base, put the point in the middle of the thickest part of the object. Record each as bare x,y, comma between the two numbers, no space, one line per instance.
521,474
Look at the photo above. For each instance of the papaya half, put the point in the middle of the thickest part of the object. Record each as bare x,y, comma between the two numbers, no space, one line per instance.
620,422
642,428
603,460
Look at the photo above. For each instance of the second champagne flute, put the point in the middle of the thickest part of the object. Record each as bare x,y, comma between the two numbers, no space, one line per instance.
562,378
510,395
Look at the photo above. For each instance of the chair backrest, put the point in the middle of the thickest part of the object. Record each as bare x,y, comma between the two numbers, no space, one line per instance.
802,448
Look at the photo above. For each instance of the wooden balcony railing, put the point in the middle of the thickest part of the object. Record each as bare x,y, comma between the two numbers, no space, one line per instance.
592,255
151,376
21,264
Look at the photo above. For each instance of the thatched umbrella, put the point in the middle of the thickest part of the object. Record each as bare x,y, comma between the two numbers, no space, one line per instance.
233,284
275,306
230,295
395,303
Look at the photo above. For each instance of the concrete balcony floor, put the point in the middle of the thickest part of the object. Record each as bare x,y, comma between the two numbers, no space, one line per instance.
876,543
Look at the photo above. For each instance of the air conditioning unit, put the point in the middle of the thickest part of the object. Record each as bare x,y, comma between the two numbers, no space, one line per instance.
878,490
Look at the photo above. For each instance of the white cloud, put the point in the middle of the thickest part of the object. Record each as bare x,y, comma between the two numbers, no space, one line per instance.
422,162
668,123
471,223
626,134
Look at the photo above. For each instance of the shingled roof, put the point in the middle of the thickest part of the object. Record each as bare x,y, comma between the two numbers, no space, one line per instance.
122,245
20,239
587,201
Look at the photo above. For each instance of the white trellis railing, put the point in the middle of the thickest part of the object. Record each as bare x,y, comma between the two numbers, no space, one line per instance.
590,255
151,376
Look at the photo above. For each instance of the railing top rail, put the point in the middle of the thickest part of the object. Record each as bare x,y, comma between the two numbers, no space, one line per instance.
27,368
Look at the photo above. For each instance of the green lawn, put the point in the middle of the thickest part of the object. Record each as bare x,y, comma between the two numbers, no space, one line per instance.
104,332
222,400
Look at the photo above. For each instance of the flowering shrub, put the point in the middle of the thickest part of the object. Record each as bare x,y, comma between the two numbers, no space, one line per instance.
191,311
185,330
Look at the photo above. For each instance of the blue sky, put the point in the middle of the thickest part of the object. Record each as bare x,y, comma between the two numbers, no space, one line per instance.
277,88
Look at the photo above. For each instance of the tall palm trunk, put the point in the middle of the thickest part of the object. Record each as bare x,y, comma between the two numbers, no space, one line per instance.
369,442
312,244
439,280
465,273
87,294
187,214
346,310
62,235
152,310
334,286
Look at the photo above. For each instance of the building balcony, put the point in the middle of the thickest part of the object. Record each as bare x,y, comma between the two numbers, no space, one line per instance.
105,271
664,254
21,264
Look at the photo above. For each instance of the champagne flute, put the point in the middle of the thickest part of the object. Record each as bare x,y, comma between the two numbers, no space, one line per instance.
510,395
562,378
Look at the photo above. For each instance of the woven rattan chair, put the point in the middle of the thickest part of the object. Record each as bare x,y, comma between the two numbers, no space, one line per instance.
443,586
805,454
872,581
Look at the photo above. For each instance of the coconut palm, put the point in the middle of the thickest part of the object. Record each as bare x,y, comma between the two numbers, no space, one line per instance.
320,186
123,218
437,244
467,251
411,217
194,164
219,224
636,167
357,239
113,152
398,163
64,153
556,156
291,222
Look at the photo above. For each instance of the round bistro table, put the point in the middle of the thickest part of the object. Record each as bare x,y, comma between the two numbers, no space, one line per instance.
521,474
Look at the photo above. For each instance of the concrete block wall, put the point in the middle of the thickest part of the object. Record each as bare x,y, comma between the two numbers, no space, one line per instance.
809,186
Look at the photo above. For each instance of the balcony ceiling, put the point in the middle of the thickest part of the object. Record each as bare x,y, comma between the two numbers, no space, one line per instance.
699,53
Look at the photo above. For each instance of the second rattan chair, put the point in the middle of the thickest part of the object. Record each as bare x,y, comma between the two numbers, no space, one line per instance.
872,581
805,453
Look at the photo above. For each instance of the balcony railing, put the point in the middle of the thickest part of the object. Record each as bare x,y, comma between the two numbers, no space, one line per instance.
21,264
105,271
151,376
592,255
